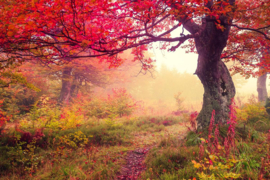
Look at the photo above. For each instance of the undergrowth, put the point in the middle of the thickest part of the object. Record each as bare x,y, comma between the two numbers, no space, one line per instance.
74,145
94,149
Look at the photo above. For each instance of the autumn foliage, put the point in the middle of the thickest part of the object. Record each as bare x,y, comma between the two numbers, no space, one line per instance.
55,55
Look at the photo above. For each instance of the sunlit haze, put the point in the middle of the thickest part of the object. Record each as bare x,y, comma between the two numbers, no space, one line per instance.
187,62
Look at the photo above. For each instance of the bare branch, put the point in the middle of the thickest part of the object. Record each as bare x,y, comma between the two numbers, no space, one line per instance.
251,29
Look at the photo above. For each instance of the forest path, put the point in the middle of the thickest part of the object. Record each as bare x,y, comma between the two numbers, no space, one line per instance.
135,165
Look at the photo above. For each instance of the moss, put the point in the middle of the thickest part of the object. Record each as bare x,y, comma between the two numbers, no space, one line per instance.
216,105
205,115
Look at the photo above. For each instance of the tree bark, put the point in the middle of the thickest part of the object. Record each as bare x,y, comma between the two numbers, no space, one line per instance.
65,93
213,73
261,87
75,86
218,93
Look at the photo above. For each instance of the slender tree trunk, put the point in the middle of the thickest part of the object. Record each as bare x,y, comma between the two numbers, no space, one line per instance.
75,86
214,75
261,87
65,93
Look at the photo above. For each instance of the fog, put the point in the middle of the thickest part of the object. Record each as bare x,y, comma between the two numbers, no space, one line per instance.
172,75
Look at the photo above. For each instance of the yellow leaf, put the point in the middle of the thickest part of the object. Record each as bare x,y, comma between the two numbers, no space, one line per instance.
234,161
212,157
202,139
196,165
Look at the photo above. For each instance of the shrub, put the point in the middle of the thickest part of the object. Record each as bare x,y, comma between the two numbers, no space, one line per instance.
122,101
19,136
119,103
23,153
73,140
96,108
70,118
193,139
252,113
3,118
216,167
45,114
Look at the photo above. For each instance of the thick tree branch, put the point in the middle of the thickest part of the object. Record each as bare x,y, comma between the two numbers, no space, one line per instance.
189,25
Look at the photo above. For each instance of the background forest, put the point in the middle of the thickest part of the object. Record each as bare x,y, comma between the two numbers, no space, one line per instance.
161,91
82,97
86,119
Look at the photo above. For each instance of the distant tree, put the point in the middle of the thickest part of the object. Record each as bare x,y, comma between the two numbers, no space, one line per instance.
81,76
261,86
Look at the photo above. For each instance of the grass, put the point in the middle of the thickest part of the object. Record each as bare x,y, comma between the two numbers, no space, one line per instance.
99,151
170,160
100,158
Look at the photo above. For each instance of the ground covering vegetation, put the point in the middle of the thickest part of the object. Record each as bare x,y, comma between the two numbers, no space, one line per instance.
57,32
91,138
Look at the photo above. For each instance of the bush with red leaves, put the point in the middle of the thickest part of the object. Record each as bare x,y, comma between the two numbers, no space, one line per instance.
166,122
192,121
27,138
3,120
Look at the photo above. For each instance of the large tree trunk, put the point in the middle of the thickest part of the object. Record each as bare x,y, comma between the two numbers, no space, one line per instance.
261,87
218,93
65,93
214,75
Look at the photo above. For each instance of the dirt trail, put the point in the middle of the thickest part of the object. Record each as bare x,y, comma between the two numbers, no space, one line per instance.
134,159
134,164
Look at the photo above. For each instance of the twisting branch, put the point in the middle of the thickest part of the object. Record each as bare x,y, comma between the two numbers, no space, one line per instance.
255,30
184,38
